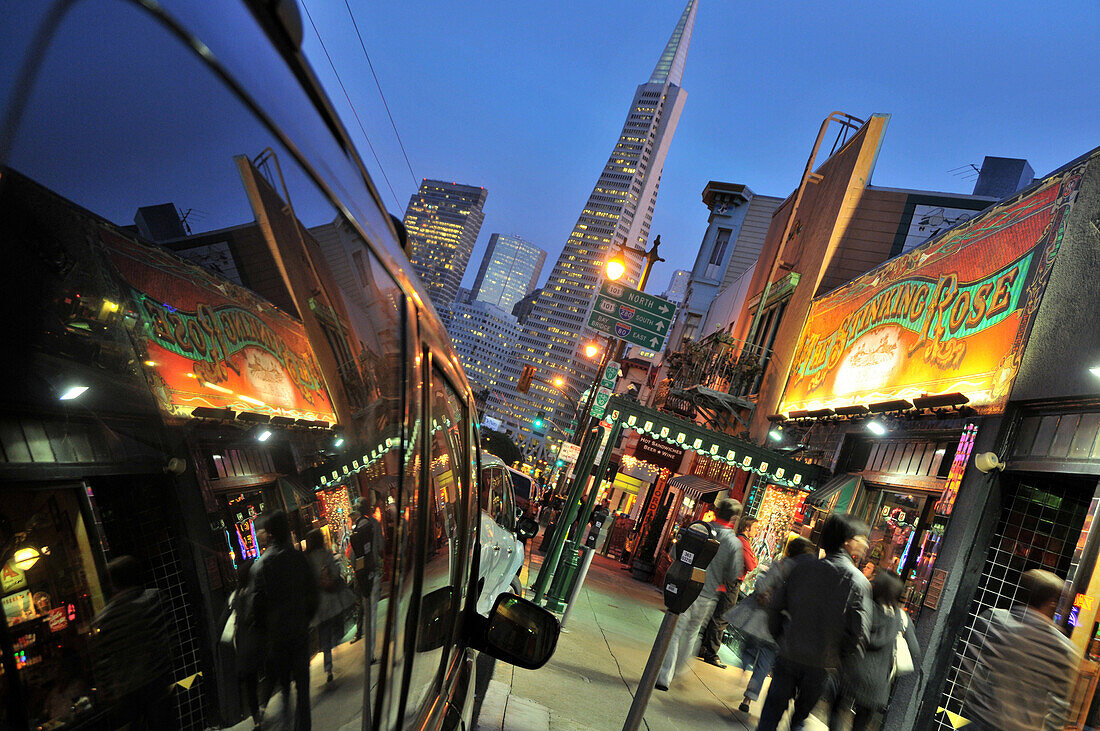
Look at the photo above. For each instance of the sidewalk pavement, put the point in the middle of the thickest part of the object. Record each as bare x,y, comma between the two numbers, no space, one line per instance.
590,681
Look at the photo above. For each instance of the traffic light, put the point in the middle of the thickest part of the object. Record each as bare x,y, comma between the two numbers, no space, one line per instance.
525,379
538,423
561,463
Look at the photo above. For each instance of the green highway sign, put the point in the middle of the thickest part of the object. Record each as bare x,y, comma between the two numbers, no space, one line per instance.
654,323
610,375
599,404
636,317
631,334
640,301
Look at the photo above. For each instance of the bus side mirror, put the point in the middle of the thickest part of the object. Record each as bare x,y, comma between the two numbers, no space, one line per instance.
526,527
518,632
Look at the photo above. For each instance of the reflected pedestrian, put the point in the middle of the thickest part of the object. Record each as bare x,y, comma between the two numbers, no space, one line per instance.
133,661
865,679
726,568
335,597
715,629
827,607
285,598
750,619
1021,668
246,642
366,562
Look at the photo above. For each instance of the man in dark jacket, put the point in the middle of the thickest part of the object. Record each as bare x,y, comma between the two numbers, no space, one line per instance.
366,562
284,599
828,603
133,662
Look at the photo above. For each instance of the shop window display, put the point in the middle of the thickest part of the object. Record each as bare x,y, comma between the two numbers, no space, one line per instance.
51,593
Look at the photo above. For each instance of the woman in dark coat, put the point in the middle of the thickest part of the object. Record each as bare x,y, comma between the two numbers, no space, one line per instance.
246,643
866,680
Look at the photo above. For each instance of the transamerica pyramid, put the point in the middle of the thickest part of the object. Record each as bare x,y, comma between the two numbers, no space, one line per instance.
618,211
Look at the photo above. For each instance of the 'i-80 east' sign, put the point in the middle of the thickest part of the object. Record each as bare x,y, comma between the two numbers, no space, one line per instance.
636,317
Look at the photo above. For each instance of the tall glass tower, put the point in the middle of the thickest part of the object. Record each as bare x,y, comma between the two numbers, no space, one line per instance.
443,221
508,272
619,211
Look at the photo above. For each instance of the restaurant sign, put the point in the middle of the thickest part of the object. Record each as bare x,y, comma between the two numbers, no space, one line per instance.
209,342
949,316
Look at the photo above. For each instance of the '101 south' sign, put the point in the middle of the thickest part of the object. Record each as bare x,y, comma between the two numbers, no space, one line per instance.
949,316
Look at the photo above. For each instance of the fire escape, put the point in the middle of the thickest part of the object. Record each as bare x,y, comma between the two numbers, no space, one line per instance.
711,378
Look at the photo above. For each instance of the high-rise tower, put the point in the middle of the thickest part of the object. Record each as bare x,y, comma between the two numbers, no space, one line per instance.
443,221
508,272
618,212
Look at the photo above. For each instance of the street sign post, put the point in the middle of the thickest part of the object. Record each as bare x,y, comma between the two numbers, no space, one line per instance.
568,452
610,375
599,404
636,317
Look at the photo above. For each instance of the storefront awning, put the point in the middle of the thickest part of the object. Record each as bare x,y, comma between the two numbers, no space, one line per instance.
775,467
820,497
695,487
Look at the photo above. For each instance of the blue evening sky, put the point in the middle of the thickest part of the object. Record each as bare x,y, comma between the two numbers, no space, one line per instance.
527,99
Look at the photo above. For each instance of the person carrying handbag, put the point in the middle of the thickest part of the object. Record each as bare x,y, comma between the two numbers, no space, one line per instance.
749,619
336,597
867,679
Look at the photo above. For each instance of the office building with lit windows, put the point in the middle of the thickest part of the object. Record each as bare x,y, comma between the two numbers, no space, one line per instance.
508,272
483,335
677,286
443,221
618,212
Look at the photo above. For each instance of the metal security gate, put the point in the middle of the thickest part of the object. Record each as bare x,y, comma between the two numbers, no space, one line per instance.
1041,519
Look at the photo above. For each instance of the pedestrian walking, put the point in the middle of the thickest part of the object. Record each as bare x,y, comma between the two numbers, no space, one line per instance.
366,561
284,601
133,661
819,614
245,641
715,629
1020,667
335,597
725,568
866,678
750,619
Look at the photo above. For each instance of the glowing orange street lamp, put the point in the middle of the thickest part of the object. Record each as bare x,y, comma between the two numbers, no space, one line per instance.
591,349
559,382
616,266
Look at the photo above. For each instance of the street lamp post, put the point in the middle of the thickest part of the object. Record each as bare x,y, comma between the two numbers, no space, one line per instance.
561,544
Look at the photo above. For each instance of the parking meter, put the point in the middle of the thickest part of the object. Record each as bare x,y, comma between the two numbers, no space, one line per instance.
691,555
594,531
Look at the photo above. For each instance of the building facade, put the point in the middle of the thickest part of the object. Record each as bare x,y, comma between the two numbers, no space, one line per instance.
618,213
737,224
677,286
443,221
508,272
483,335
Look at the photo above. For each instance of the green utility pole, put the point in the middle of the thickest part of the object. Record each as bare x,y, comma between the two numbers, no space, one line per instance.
567,575
568,514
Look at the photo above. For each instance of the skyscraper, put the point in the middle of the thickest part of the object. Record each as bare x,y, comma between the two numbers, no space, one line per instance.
677,286
508,272
618,213
443,221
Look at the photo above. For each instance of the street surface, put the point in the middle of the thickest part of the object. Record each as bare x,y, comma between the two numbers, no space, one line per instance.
588,684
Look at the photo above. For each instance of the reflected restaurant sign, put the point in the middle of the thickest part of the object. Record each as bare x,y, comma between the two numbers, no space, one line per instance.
209,342
949,316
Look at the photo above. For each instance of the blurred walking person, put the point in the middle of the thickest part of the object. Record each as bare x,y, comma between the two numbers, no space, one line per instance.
285,598
335,597
1021,667
865,679
245,641
366,562
750,619
827,607
715,629
133,661
726,568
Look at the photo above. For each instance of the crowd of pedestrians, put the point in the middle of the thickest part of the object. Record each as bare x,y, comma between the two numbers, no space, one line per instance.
828,632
